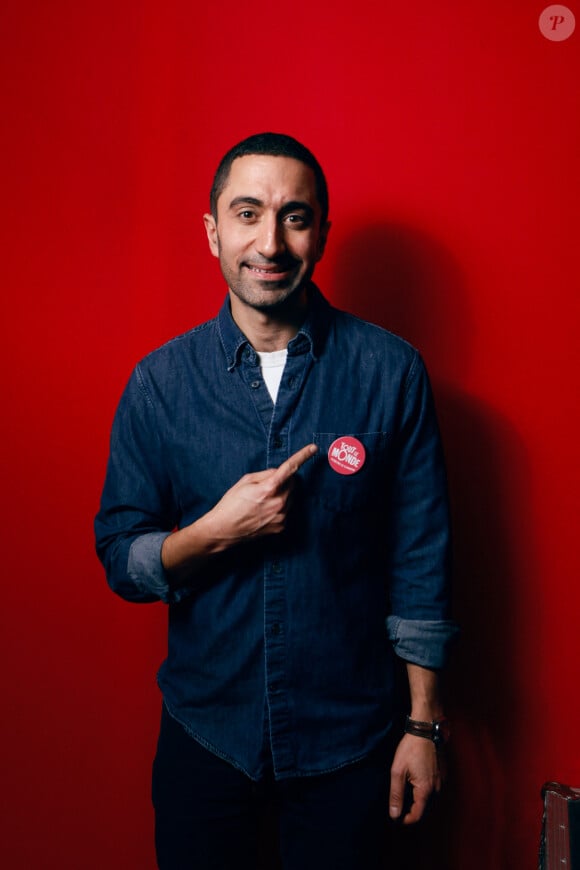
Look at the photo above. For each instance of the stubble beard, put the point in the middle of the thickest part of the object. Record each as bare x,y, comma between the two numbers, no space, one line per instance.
269,298
268,301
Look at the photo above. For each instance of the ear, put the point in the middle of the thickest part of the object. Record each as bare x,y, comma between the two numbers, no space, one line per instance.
322,238
212,236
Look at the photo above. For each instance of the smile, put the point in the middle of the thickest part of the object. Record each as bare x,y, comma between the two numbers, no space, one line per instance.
269,273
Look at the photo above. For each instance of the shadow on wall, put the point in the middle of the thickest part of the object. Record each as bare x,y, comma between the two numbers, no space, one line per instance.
403,280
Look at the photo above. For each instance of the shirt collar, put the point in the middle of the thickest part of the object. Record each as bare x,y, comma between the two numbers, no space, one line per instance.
310,336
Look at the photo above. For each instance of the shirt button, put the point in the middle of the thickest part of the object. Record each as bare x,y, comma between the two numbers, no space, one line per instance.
277,443
291,382
277,567
255,384
276,629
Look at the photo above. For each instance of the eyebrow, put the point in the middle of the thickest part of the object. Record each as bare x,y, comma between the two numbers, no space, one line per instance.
294,205
245,200
297,205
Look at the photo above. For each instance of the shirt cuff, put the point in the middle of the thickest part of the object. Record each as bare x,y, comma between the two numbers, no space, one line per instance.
145,568
424,642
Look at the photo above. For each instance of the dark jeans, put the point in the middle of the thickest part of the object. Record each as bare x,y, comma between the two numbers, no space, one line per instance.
209,816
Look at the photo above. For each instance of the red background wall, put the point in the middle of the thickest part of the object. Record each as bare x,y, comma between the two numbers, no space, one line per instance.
450,135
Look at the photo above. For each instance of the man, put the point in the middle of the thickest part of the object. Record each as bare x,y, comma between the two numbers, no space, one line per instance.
276,478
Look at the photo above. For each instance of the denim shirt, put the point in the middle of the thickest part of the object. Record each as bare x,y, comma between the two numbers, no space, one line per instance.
288,640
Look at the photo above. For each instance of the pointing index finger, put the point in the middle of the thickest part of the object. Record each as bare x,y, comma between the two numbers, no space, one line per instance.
291,465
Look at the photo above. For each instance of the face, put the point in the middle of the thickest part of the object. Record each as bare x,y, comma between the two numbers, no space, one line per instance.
268,235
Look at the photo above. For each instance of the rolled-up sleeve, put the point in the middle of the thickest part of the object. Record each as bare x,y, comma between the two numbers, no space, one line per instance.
420,624
424,642
137,510
144,566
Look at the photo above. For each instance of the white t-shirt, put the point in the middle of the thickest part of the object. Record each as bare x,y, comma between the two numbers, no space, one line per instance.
272,365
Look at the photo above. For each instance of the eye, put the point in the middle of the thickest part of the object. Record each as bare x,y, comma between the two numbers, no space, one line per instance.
296,219
247,214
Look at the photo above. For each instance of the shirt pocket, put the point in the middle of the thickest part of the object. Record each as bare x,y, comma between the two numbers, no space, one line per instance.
362,489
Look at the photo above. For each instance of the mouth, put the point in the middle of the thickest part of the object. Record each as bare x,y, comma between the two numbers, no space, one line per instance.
272,272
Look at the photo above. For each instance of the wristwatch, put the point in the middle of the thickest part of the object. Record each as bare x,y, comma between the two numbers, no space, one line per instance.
437,730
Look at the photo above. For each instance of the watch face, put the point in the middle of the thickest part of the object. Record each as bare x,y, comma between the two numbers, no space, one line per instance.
441,732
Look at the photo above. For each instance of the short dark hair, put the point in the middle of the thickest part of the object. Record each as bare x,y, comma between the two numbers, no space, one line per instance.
271,145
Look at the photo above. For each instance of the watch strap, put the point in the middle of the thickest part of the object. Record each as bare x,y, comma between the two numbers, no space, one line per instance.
437,730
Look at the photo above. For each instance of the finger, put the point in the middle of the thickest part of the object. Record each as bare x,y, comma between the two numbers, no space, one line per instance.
417,808
396,795
288,468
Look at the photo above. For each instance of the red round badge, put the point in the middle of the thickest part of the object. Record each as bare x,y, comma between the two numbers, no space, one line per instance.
346,455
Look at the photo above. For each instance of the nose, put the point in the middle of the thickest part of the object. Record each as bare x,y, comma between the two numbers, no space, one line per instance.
270,239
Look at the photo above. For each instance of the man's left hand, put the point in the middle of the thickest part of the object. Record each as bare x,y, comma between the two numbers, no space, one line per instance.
416,762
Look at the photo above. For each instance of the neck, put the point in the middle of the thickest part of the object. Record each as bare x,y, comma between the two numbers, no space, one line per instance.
269,330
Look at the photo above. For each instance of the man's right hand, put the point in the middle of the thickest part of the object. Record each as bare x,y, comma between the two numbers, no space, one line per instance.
255,506
258,503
